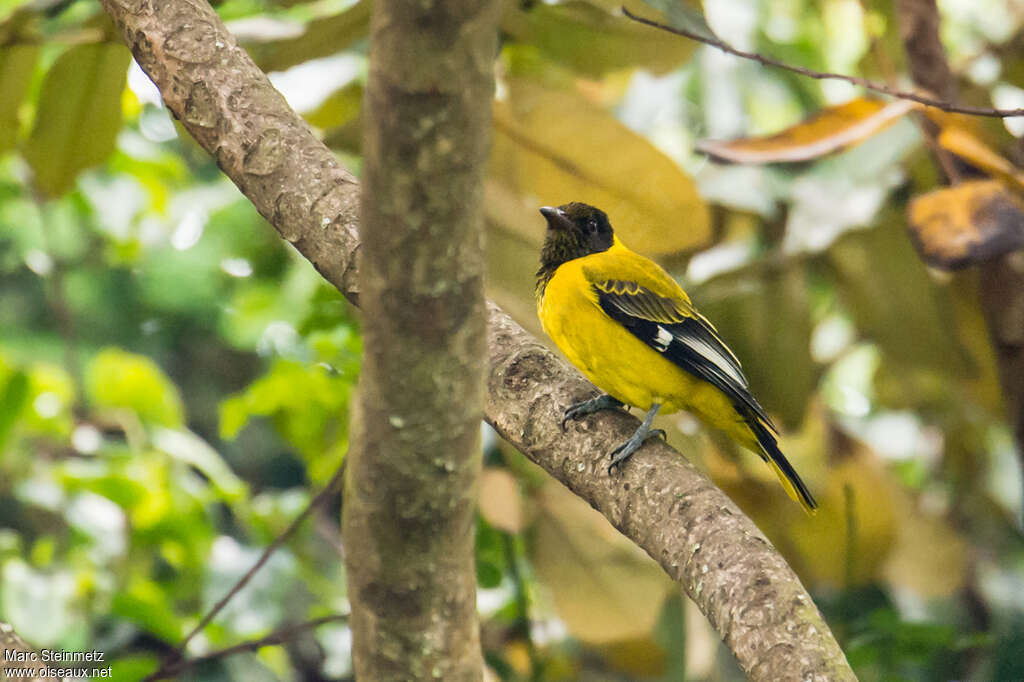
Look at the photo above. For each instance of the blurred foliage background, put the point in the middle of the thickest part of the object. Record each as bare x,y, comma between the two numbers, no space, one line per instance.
174,379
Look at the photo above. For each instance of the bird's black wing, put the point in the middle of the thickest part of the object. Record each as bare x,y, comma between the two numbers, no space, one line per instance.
675,329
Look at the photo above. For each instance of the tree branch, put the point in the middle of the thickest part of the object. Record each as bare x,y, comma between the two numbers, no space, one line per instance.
280,636
821,75
1001,281
660,501
13,648
173,661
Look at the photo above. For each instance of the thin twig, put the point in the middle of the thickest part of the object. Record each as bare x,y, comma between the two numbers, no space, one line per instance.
279,636
820,75
177,655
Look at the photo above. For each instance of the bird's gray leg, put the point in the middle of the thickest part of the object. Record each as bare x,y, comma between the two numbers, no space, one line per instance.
580,410
626,450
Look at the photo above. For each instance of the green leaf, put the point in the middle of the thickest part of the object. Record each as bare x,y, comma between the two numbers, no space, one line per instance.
119,379
322,38
52,395
133,668
187,447
308,405
234,415
763,315
684,17
148,606
79,115
341,106
892,298
17,62
13,398
592,41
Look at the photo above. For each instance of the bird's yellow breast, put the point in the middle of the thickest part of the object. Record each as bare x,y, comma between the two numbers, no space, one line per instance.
609,355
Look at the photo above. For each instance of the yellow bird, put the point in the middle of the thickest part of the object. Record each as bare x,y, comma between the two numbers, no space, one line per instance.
634,333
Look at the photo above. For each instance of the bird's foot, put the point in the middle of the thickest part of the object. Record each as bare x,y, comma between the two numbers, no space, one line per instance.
580,410
642,434
626,450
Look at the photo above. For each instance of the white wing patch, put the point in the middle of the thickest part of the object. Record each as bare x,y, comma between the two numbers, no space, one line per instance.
663,339
712,355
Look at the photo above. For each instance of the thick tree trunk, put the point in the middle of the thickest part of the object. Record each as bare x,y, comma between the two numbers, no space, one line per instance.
410,493
660,501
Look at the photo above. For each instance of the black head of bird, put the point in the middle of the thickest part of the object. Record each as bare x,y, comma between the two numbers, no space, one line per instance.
574,230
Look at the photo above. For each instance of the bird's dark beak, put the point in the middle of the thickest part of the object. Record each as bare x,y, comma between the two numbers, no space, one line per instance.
557,220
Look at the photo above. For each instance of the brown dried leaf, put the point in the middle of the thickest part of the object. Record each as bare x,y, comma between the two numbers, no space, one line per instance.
604,587
963,225
500,503
828,131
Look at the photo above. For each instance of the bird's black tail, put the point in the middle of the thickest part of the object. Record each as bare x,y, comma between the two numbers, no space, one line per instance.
787,474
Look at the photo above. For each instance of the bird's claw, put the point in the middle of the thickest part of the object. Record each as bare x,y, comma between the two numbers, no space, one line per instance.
582,409
572,413
632,444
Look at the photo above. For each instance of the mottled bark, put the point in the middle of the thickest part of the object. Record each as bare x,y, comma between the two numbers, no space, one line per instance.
227,104
410,493
13,648
1001,291
659,500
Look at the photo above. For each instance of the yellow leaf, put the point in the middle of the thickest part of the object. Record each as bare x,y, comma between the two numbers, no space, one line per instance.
854,531
500,503
640,658
930,558
553,147
512,260
972,150
828,131
115,378
963,225
604,587
17,62
340,107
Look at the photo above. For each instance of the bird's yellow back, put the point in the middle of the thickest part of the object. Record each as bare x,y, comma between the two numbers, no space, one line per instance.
606,352
632,330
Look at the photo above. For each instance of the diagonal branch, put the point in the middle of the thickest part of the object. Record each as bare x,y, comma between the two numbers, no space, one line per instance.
660,501
822,75
282,635
174,660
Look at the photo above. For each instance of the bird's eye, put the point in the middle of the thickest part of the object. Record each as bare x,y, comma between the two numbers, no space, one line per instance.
592,226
